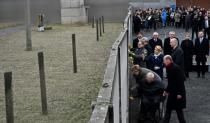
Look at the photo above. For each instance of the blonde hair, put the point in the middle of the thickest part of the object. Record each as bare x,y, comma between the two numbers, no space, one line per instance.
159,48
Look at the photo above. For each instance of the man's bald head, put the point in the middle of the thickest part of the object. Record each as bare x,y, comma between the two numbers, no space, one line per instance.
150,77
174,42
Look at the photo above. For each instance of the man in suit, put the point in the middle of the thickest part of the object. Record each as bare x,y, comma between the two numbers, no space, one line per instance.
175,90
195,26
187,21
200,20
177,53
137,22
206,25
201,53
155,41
167,46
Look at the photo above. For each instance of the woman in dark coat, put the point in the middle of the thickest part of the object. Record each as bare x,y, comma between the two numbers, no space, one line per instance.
175,90
140,55
187,47
155,61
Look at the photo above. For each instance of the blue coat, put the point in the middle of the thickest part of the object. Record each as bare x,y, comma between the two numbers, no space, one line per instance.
154,61
163,16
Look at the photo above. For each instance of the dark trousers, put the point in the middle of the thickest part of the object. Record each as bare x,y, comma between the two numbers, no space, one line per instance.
194,31
201,68
179,113
155,25
207,33
187,27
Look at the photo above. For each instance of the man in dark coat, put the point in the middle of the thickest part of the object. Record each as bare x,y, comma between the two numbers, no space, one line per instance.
206,26
155,41
139,74
150,91
137,22
136,40
188,48
200,20
201,53
177,53
175,90
167,47
195,26
187,21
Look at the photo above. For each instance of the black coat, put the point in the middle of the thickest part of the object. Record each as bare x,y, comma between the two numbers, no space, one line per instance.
139,79
154,43
175,87
167,47
187,47
201,49
178,57
140,57
152,92
137,24
135,43
204,24
200,22
195,24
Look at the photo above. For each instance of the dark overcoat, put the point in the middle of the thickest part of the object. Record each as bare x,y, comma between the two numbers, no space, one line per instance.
201,49
175,87
167,47
135,43
178,57
154,43
188,48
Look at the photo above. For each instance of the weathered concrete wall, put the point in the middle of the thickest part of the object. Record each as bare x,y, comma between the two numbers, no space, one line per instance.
112,10
73,11
13,10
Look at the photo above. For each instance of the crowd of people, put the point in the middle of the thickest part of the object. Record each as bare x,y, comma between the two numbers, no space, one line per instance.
196,18
149,53
173,54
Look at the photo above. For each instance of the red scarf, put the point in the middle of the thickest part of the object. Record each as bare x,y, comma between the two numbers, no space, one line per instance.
169,65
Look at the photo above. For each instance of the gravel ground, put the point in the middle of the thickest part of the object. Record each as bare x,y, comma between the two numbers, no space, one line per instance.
69,95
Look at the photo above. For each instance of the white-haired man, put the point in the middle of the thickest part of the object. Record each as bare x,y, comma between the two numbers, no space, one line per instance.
155,41
167,47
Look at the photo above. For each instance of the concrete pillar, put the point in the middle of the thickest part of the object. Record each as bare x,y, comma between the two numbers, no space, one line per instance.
73,11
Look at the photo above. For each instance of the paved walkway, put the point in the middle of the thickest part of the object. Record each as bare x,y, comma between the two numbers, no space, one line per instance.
9,30
198,93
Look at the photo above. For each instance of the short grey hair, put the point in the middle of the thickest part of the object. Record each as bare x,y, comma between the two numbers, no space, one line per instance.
167,57
172,32
155,33
146,39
